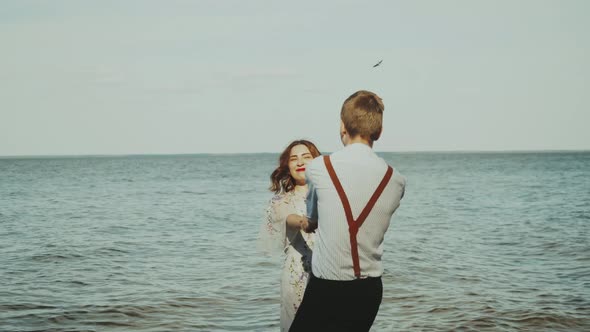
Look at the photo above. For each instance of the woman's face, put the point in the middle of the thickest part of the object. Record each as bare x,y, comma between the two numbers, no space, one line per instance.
299,157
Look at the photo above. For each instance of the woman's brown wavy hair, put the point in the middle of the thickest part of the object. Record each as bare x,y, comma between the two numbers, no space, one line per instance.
281,180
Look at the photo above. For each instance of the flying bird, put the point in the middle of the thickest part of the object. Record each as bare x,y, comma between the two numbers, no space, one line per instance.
378,63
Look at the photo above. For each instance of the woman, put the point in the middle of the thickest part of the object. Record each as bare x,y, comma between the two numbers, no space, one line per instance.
282,227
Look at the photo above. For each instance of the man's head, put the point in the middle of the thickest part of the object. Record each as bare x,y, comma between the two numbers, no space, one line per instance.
362,118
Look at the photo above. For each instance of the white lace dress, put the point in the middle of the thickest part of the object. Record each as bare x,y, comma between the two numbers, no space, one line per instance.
297,245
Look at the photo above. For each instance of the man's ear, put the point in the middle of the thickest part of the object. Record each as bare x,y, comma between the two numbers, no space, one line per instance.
342,129
380,132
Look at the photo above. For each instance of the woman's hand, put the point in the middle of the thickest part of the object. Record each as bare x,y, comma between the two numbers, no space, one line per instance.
297,221
301,222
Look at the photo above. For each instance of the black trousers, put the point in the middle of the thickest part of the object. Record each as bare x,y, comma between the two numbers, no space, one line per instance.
330,305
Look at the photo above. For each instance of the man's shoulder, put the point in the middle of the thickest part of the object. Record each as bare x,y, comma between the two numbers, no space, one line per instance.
398,177
313,169
317,163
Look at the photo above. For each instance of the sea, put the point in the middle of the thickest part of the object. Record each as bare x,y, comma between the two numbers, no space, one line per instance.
481,242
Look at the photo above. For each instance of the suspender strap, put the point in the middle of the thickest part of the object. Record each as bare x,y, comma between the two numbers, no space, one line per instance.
354,225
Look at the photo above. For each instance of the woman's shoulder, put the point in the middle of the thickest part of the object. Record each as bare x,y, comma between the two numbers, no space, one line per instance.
282,198
278,198
279,202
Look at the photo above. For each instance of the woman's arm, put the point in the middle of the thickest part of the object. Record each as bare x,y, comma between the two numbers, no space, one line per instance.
296,221
272,233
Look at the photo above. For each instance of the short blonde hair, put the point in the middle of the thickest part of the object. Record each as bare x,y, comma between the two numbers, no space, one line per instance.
362,114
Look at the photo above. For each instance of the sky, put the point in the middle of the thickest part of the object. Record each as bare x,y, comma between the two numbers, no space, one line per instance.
171,77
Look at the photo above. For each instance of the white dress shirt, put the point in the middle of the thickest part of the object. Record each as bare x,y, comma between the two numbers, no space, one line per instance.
360,171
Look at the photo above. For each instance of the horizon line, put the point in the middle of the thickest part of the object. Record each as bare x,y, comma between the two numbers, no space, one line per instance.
41,156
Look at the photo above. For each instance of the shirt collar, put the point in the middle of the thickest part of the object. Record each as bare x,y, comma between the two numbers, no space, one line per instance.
360,147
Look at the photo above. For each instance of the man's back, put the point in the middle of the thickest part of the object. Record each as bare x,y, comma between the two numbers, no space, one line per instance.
360,171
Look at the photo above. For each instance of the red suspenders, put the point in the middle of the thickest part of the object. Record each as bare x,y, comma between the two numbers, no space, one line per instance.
354,225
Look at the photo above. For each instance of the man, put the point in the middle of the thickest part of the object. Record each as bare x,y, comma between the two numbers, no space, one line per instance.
352,195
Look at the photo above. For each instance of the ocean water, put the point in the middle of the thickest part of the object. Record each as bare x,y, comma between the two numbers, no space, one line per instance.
481,242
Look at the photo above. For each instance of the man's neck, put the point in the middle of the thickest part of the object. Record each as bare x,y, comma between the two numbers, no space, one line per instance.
359,139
